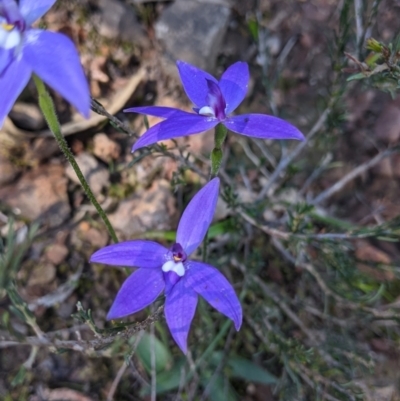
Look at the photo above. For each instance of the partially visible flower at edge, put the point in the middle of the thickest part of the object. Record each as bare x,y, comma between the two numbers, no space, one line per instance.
170,270
214,102
25,50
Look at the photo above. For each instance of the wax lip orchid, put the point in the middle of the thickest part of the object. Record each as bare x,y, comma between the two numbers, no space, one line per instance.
170,270
25,50
214,102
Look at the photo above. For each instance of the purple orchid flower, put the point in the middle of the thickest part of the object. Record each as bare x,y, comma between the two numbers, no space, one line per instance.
214,102
50,55
171,270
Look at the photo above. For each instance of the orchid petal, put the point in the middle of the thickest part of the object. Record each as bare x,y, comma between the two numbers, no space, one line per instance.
185,124
156,111
180,307
262,126
194,82
138,253
9,40
12,82
208,282
233,84
139,290
54,59
33,10
6,58
197,217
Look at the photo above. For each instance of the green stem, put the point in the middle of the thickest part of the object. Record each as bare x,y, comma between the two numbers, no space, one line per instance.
47,106
216,154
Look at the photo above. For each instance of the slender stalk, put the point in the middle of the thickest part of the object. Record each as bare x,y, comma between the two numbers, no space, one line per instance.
291,156
352,175
47,106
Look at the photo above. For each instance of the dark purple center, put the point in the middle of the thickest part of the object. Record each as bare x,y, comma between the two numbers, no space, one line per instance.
178,254
215,100
13,17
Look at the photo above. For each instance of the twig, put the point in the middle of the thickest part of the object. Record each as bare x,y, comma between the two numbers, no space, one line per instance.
153,394
266,153
285,161
353,174
252,157
220,366
99,109
59,295
358,11
115,104
117,379
306,378
31,359
85,346
379,314
284,235
315,174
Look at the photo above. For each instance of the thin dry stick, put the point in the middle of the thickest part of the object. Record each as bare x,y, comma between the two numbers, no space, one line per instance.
114,385
326,159
288,312
290,157
85,346
252,157
358,11
353,174
153,364
220,366
284,235
311,383
379,314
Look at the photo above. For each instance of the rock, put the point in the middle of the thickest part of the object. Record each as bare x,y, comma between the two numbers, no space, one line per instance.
27,116
105,148
42,274
388,167
366,251
8,171
95,237
369,253
62,393
42,149
193,31
387,126
222,210
146,210
119,21
40,194
96,175
56,254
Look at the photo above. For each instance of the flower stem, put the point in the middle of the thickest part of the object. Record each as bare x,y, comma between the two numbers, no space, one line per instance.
47,106
216,154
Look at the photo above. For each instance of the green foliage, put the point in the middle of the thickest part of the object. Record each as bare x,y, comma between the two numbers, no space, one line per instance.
381,67
13,251
162,356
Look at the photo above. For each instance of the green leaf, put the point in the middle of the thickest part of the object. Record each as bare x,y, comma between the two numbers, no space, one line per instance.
19,377
162,355
353,77
252,25
221,389
169,379
247,370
